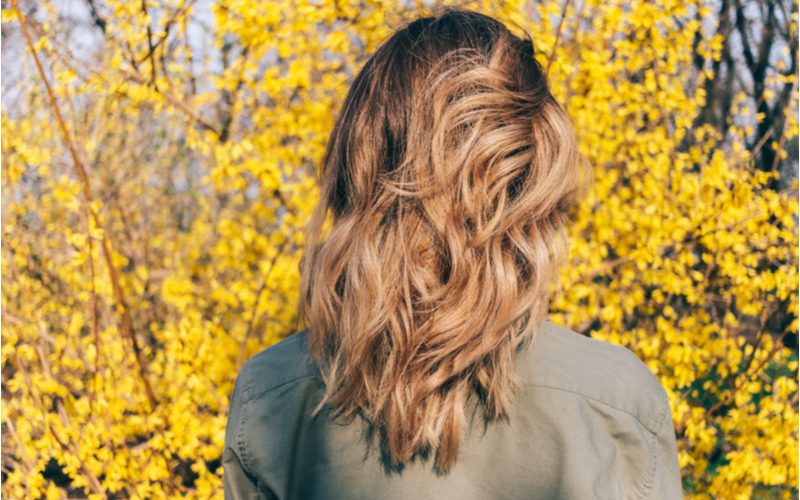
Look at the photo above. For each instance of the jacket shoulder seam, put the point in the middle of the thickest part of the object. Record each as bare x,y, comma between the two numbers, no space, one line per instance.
240,443
604,403
646,486
264,489
263,392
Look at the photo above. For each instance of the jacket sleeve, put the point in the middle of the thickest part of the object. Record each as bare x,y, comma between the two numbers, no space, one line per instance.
238,483
667,482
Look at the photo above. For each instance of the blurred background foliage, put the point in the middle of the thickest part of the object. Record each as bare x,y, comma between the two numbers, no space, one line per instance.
158,167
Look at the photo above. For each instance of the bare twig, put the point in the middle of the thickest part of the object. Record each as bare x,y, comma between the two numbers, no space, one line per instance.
167,26
150,46
126,320
259,293
558,36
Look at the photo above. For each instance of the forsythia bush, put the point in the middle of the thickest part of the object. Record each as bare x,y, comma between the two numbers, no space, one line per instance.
156,180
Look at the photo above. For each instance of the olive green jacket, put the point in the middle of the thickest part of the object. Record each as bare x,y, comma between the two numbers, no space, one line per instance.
591,422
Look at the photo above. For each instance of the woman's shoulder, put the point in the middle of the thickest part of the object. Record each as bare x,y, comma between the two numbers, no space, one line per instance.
281,363
560,359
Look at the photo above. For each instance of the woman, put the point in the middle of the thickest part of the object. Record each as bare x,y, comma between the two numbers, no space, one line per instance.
428,367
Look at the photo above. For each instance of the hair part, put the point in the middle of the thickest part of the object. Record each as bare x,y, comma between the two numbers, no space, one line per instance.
446,180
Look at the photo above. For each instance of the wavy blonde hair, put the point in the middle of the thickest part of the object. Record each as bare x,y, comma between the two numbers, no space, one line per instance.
446,181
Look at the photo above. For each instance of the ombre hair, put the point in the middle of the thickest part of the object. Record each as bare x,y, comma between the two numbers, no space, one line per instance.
445,185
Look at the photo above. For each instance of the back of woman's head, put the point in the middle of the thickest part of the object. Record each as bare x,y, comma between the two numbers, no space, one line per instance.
446,181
